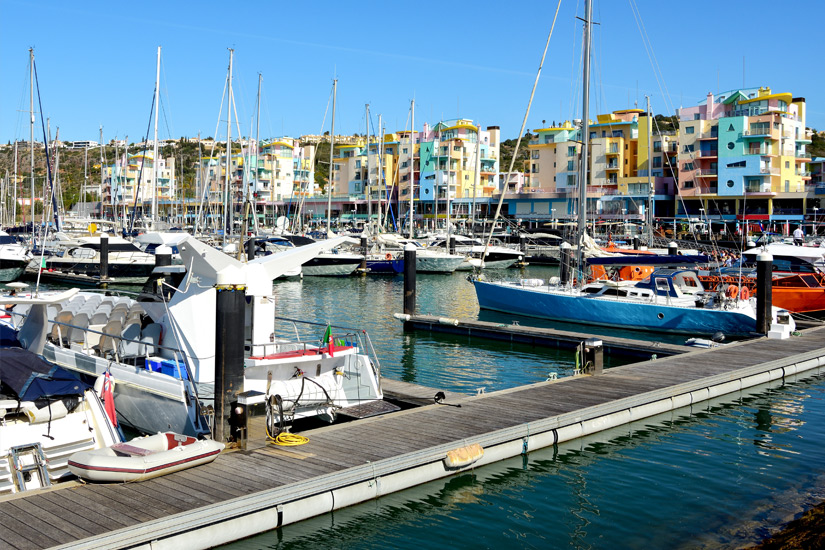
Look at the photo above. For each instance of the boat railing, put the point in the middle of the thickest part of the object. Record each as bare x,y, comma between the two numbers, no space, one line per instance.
357,336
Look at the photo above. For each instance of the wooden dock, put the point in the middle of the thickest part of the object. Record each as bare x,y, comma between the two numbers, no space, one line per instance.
543,337
246,492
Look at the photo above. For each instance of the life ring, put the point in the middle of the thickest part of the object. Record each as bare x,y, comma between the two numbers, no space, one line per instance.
732,291
745,293
388,256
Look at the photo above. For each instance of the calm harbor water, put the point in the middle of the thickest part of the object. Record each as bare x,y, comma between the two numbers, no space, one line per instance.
721,475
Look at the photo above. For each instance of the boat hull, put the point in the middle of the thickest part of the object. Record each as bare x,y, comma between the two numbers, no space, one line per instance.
658,317
116,464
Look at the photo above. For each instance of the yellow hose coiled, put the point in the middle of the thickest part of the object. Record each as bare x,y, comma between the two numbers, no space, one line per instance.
286,439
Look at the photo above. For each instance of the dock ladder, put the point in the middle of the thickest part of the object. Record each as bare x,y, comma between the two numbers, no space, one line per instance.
38,464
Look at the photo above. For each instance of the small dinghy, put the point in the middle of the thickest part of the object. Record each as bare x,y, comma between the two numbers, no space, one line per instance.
144,458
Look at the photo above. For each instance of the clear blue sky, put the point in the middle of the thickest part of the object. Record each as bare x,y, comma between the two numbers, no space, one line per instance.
96,61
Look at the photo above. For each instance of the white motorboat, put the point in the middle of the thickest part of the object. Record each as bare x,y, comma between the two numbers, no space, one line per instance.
14,257
495,256
81,256
46,414
161,348
144,458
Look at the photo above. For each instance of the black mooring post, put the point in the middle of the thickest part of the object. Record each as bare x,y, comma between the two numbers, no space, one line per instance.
104,260
364,250
764,292
452,244
409,279
229,341
672,249
637,243
250,249
564,262
163,256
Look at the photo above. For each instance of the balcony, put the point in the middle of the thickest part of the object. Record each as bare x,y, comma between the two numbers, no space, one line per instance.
708,135
613,166
708,190
752,187
803,155
709,153
706,173
758,133
764,151
768,171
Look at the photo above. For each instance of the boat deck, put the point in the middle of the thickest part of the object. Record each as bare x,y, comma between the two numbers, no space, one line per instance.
244,492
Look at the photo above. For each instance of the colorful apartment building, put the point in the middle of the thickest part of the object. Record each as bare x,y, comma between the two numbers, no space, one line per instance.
742,155
122,179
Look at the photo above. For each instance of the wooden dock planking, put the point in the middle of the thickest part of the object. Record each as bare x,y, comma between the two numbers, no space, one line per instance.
95,510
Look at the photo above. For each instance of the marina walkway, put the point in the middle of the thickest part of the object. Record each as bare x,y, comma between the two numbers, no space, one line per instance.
245,492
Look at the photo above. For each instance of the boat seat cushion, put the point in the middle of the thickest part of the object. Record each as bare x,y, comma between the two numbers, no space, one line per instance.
124,449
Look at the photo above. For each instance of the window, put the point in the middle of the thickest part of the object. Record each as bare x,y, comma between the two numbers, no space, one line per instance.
657,146
688,166
535,168
688,184
358,164
592,135
731,145
535,154
571,180
571,150
570,166
688,148
729,183
657,162
787,164
617,133
688,129
466,176
405,150
696,116
740,164
730,128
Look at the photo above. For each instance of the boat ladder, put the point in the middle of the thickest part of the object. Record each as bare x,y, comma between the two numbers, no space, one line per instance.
21,472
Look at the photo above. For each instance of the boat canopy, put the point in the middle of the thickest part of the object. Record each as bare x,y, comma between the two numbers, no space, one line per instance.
649,259
32,378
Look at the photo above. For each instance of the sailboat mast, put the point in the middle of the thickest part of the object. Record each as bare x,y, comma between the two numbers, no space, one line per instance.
477,178
331,156
412,163
155,160
585,137
649,217
379,148
102,160
226,203
257,153
14,204
31,134
367,189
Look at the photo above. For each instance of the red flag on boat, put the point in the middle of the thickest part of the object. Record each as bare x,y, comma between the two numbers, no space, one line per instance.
109,397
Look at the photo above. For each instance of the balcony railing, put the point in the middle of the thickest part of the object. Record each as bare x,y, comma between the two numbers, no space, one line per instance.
708,153
803,155
769,171
757,132
706,172
758,187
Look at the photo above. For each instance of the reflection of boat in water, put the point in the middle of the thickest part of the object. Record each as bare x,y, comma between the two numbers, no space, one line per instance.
46,414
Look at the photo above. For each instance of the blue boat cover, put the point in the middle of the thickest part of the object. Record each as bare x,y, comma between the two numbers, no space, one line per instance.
32,377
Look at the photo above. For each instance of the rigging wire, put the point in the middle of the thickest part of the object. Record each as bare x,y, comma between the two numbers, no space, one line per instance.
520,135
